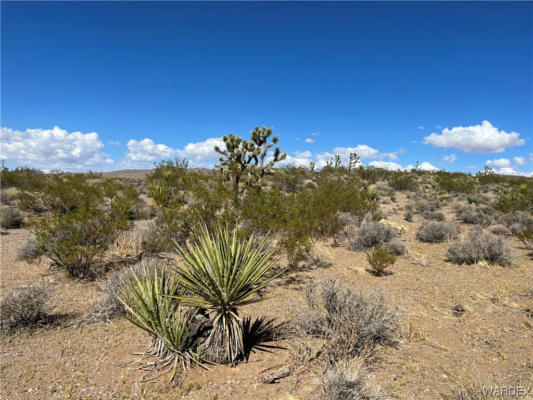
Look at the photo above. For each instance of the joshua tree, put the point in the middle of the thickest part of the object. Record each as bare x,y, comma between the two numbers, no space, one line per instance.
354,159
245,162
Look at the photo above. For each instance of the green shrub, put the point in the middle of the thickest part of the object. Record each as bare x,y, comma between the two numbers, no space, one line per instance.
380,259
77,239
455,182
518,198
10,218
403,181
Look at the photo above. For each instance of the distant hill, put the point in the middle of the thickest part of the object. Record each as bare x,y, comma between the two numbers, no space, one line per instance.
141,173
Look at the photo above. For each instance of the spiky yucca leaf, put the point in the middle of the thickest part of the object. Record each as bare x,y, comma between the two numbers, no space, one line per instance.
147,299
224,273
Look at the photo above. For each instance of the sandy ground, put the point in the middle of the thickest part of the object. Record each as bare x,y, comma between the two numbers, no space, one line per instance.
493,337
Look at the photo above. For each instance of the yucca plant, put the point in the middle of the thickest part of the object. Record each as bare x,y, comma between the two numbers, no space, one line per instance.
147,298
223,273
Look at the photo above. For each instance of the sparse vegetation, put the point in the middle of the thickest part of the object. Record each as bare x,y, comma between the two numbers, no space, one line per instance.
480,246
475,215
380,259
435,232
24,307
352,324
10,218
372,234
346,383
193,311
29,249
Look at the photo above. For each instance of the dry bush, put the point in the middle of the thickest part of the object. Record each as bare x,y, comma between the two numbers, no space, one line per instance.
395,247
352,323
345,383
480,246
426,205
133,242
319,256
29,250
372,234
24,307
108,305
483,216
435,232
10,218
468,388
518,222
408,216
433,215
8,195
500,230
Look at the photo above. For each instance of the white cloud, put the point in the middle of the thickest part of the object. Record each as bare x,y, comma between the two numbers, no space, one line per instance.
53,149
385,165
499,163
303,154
365,152
309,140
420,127
142,153
202,151
484,138
451,158
520,160
425,166
512,171
114,142
315,133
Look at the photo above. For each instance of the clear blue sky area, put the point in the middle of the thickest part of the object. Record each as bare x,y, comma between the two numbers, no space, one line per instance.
383,75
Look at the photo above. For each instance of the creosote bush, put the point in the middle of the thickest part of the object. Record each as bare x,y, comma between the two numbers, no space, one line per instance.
77,239
380,259
435,232
24,307
351,323
480,246
10,218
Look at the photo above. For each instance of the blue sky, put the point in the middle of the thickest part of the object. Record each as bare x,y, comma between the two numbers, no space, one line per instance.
106,86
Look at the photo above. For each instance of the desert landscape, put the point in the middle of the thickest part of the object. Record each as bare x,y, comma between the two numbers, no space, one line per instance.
271,200
452,310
